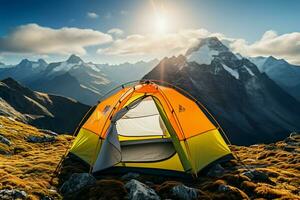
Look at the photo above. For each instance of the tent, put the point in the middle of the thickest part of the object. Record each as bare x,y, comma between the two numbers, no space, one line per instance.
151,126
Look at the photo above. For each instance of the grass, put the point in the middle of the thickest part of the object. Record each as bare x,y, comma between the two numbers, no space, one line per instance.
29,166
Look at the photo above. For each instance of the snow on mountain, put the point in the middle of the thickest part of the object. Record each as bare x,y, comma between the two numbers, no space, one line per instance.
233,72
283,73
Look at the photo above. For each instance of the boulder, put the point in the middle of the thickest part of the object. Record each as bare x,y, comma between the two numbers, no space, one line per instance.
183,192
138,191
9,194
76,182
258,176
40,139
4,140
216,171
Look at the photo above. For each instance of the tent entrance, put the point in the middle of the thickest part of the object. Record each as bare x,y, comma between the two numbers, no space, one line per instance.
137,135
141,121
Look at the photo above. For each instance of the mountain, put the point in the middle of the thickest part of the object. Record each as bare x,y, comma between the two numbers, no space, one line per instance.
250,106
29,167
283,73
85,82
45,111
127,72
24,70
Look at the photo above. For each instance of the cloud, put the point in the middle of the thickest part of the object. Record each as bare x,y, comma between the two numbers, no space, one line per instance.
155,45
116,32
285,46
92,15
32,38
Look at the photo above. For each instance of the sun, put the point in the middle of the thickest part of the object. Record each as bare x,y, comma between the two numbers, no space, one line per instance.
161,24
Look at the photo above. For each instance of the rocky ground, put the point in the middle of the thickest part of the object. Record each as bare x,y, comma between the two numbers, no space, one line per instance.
28,157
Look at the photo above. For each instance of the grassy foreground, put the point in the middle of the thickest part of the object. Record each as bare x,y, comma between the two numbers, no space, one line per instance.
28,166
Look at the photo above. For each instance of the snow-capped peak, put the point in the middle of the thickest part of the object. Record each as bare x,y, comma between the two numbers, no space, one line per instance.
205,50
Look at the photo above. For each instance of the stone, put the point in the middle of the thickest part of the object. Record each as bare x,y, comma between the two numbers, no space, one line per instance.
4,140
216,171
40,139
258,176
76,182
8,194
223,188
183,192
138,191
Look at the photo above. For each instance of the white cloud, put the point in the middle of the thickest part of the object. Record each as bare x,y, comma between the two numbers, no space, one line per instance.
92,15
285,46
155,45
32,38
116,32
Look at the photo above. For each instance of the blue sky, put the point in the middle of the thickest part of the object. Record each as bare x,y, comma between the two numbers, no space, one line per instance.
234,19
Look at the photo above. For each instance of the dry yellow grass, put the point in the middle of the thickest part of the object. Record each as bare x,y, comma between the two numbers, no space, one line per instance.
28,167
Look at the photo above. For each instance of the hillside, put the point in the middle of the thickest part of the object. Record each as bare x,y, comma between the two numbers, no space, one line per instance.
26,168
56,113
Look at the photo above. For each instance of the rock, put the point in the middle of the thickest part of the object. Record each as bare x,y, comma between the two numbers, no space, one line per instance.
216,171
9,194
129,176
223,188
258,176
138,191
40,139
48,132
185,193
4,140
76,182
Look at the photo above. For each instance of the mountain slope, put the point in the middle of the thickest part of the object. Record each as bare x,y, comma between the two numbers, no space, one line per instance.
283,73
248,104
45,111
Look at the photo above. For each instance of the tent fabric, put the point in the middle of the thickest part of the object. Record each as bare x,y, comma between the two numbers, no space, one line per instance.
127,128
110,153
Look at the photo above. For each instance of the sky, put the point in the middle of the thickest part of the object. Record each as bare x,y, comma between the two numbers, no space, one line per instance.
117,31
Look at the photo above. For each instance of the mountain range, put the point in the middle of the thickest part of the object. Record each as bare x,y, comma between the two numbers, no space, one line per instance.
52,112
283,73
250,106
257,97
85,82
